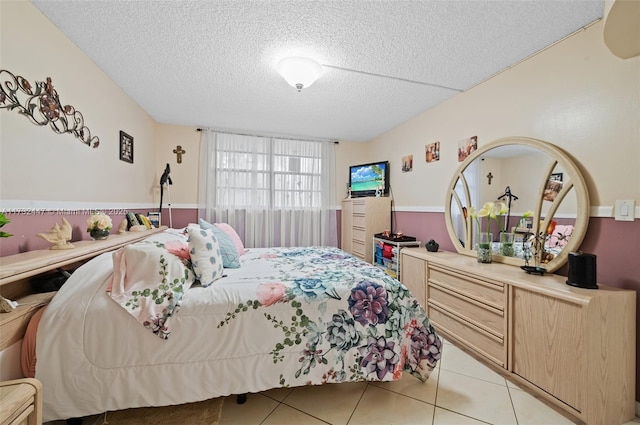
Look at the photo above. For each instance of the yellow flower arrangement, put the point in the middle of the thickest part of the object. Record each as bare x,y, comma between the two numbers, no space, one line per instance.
492,210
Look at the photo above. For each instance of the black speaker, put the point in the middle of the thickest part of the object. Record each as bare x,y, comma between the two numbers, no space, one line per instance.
582,270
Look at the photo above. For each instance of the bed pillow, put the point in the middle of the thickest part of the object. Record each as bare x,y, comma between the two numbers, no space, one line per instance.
149,280
230,255
206,258
229,231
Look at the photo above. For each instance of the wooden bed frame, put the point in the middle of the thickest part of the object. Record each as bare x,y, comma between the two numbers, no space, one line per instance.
17,270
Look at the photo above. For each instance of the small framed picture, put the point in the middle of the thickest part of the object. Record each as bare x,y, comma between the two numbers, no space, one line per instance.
407,163
154,218
126,147
466,147
432,152
552,189
556,177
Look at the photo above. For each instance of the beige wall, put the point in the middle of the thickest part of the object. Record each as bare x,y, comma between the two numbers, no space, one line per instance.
57,170
576,95
348,153
184,190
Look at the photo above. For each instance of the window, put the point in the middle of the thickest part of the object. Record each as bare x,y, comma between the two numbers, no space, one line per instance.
268,173
278,190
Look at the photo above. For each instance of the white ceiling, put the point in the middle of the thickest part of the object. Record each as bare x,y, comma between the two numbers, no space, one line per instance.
213,63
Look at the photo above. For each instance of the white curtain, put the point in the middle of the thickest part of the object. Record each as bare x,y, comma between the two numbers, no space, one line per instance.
272,191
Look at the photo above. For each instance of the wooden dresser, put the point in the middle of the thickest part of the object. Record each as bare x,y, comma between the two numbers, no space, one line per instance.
574,347
21,402
361,219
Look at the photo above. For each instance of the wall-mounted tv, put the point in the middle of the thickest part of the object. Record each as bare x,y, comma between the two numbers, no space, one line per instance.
366,179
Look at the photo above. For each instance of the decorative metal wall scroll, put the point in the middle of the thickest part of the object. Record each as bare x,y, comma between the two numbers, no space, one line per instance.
42,106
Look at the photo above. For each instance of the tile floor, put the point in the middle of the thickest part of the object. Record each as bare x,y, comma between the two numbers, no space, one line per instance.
459,391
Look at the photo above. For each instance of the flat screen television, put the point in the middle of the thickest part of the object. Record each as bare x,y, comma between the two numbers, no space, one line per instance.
366,179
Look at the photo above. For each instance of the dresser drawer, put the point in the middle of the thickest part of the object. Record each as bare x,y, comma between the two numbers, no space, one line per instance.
358,249
485,317
359,206
22,418
359,220
492,294
484,343
358,234
20,402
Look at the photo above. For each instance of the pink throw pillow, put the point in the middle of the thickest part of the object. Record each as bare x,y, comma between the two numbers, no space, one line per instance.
233,235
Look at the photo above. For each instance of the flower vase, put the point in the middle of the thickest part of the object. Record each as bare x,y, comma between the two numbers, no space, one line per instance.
484,248
506,244
99,234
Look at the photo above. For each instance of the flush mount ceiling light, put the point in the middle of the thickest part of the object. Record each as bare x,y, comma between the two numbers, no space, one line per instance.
299,72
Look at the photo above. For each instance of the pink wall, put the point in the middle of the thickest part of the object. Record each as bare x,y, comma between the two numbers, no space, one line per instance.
615,243
24,227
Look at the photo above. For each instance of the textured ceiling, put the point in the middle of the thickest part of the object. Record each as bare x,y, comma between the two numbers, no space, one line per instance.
213,63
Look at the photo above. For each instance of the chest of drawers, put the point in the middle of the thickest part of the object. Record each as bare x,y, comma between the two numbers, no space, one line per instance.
361,219
574,347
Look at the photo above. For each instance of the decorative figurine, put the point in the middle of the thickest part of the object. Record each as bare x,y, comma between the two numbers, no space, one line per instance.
432,246
58,236
123,227
526,251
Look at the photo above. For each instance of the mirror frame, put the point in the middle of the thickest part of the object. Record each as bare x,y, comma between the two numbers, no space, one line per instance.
575,181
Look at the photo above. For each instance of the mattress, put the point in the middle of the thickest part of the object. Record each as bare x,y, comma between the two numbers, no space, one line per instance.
286,317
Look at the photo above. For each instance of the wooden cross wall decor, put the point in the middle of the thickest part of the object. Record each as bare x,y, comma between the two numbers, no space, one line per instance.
489,176
179,151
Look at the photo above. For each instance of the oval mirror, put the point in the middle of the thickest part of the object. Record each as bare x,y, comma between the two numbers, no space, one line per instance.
543,195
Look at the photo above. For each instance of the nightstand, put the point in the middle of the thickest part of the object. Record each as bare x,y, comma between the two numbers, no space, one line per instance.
21,402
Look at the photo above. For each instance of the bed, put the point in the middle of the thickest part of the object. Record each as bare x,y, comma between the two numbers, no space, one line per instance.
281,317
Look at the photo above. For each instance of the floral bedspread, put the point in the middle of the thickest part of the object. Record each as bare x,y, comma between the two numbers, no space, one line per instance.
338,314
347,320
286,317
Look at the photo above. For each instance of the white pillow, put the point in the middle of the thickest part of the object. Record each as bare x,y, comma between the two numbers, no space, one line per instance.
206,258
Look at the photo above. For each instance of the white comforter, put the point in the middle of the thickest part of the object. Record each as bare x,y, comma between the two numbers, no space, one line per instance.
286,317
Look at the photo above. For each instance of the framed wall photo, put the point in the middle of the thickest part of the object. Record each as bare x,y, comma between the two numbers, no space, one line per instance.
126,147
552,189
407,163
466,146
556,177
432,152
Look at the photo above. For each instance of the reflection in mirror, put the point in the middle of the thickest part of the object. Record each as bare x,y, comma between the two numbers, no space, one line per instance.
544,198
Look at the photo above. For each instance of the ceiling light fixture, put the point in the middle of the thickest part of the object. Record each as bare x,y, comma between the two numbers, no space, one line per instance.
299,72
